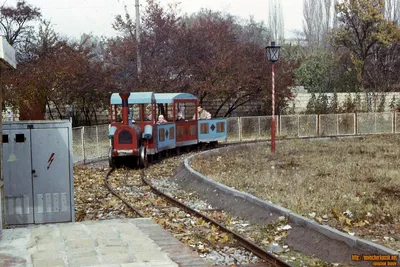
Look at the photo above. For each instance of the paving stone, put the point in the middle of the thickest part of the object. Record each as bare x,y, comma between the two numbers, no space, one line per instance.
85,252
113,250
150,256
75,235
164,264
99,229
117,258
144,247
110,242
53,262
136,238
83,261
80,243
40,231
51,246
46,255
138,249
136,264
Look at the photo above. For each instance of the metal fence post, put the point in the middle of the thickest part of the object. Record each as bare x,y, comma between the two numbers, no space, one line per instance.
83,144
394,122
240,128
337,124
298,125
97,141
355,124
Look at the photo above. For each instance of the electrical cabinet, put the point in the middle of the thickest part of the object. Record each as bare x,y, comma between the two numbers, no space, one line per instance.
38,172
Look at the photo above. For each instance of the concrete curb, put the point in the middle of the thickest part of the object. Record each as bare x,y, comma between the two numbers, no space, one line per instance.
293,218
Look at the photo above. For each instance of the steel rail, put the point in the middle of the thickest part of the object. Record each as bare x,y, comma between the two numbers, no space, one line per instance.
258,251
247,244
118,196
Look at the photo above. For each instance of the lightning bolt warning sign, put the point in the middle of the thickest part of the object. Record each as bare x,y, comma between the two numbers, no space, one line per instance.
50,160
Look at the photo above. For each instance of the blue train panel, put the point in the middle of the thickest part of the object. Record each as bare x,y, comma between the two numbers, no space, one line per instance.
212,130
165,134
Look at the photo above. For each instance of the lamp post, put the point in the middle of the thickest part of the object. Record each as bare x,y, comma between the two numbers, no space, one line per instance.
273,56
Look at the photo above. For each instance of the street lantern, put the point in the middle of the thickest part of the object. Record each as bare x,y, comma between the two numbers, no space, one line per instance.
273,56
273,52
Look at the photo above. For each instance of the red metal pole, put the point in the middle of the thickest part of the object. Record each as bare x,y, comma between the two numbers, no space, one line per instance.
273,111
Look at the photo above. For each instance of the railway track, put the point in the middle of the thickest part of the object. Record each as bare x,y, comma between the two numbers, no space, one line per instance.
268,258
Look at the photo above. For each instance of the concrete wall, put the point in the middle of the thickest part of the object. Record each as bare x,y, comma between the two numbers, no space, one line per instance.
302,98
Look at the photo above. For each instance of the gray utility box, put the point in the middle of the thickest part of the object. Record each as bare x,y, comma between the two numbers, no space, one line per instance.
38,173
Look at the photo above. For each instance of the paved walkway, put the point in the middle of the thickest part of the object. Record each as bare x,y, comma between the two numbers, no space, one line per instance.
108,243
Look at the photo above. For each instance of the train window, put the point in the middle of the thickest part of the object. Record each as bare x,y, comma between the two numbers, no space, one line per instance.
220,127
204,128
171,133
135,112
161,135
125,137
192,130
20,138
5,138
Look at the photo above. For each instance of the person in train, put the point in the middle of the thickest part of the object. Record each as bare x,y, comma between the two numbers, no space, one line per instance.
202,114
148,111
180,117
161,119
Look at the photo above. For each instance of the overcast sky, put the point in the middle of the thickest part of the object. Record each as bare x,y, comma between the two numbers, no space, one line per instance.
74,17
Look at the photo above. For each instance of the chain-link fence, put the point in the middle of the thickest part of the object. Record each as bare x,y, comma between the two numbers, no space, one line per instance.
92,142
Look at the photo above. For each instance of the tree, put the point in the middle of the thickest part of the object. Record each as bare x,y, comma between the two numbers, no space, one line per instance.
160,37
45,40
311,104
210,54
392,104
314,72
361,29
312,26
65,75
253,32
334,105
322,106
392,8
275,20
327,6
14,22
349,105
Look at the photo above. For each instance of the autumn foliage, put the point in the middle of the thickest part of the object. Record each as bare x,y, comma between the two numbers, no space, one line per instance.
211,55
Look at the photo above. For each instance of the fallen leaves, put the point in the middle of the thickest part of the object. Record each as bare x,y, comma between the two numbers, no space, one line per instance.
352,197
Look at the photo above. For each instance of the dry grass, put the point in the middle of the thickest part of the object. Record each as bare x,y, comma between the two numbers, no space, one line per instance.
325,177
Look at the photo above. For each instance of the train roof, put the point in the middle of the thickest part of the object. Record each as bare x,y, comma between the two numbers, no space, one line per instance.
134,98
168,98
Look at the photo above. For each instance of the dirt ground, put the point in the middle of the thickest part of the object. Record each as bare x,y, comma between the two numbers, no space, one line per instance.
352,185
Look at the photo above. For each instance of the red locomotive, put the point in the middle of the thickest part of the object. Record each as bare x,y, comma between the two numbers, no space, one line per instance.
139,135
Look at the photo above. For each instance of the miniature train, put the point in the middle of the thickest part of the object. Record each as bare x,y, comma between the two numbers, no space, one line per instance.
140,135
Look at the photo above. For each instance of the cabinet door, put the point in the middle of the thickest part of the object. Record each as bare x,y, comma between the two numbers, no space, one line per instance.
17,176
51,178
